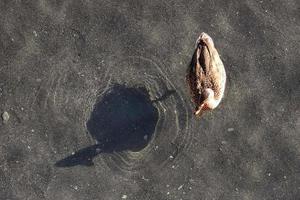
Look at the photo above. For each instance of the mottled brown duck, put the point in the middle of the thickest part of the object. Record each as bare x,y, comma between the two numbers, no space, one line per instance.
206,76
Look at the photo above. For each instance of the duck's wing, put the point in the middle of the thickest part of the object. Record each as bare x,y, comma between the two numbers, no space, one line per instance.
194,76
212,66
204,58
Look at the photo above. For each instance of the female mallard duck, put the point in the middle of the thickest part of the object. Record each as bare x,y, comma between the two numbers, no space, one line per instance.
206,75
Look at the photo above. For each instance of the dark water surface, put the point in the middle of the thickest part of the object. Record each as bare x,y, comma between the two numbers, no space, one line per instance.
123,120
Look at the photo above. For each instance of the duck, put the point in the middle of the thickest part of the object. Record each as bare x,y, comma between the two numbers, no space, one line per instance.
206,76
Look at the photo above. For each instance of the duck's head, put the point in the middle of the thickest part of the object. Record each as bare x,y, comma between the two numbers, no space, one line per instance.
209,102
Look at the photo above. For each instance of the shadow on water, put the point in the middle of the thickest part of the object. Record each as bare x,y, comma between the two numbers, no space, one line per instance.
124,119
164,96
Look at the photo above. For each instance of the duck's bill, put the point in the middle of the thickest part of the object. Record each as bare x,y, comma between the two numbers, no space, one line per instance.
199,111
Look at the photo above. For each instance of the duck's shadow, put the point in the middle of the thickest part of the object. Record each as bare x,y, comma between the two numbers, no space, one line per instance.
124,119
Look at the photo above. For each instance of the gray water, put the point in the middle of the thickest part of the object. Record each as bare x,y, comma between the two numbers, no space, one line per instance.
99,108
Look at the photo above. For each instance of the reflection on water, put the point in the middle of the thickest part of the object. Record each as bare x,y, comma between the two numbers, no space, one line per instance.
124,119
